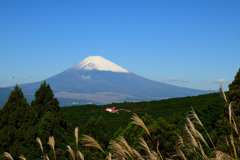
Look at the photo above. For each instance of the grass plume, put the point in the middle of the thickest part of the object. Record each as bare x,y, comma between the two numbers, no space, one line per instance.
40,144
222,94
51,142
90,142
194,117
138,121
146,148
69,149
117,149
7,155
22,157
81,156
223,156
76,137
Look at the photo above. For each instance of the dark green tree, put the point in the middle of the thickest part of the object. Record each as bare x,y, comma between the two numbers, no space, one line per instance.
21,124
47,119
14,116
234,88
44,102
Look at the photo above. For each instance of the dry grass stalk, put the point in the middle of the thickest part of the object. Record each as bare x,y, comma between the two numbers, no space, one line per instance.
22,157
51,142
138,121
202,152
199,135
180,153
125,144
145,147
195,119
222,93
223,156
69,149
190,125
179,143
230,120
7,155
189,137
47,157
76,137
40,144
116,148
137,155
90,142
235,128
227,141
230,112
110,156
81,156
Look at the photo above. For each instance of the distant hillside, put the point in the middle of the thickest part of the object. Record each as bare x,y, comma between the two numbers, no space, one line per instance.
4,94
79,115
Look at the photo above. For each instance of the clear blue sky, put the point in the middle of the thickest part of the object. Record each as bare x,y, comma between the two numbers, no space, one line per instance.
190,43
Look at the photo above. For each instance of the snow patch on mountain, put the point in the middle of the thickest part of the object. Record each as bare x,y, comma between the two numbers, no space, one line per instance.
98,63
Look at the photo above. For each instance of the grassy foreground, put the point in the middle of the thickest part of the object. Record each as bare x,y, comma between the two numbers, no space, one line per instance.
191,145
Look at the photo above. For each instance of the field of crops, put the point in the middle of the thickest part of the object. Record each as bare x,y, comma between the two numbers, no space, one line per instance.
79,115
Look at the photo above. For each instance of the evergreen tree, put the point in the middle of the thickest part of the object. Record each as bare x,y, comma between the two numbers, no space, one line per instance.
44,102
234,88
13,121
15,110
20,124
44,97
47,119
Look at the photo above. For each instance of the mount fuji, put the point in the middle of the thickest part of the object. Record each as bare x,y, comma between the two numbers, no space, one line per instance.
100,81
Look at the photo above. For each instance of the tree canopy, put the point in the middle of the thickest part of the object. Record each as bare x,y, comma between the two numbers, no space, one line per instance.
234,88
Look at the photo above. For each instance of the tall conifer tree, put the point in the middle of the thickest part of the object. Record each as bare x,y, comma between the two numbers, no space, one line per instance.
234,88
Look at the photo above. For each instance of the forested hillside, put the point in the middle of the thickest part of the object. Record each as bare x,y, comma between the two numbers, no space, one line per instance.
200,127
168,108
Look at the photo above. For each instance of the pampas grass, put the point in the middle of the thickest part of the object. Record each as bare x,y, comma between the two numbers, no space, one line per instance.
146,148
125,145
69,149
22,157
90,142
136,154
117,149
76,137
81,156
194,117
223,156
47,157
51,142
7,155
230,120
222,94
189,137
138,121
40,144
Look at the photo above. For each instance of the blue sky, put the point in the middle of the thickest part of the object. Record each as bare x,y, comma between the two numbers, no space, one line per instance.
189,43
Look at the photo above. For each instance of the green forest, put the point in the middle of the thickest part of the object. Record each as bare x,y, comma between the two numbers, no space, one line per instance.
199,127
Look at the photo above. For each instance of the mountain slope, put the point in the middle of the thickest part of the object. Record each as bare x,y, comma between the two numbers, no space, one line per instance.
98,80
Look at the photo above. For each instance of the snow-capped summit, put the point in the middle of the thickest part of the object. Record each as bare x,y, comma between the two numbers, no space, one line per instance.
86,82
98,63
